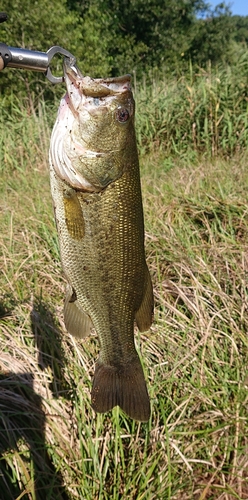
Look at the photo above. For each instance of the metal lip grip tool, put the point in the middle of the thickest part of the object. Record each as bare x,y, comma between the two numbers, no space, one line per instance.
14,57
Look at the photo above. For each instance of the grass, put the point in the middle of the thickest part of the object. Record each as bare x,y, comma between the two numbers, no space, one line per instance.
202,111
195,446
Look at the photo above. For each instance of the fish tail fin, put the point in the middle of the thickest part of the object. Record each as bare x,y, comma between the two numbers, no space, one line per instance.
124,386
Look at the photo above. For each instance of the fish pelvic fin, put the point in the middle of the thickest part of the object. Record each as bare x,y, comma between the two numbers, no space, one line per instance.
144,315
77,322
124,386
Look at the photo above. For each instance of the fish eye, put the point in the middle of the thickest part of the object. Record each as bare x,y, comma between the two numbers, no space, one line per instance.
122,115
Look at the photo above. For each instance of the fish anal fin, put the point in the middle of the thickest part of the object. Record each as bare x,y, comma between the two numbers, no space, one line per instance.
144,315
77,322
124,386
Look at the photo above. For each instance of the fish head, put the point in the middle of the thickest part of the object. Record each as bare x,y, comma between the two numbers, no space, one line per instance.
96,120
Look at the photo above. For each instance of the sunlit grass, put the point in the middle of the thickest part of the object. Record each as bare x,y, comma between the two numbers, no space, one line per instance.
195,357
201,111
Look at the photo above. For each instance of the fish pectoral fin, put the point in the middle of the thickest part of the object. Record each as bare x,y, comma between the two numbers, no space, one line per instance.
144,315
77,321
124,386
74,218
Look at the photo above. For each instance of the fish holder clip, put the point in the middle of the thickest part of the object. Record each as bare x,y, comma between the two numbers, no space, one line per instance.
30,59
14,57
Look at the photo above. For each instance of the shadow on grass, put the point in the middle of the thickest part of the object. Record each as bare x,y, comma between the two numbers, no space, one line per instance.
24,458
22,442
51,354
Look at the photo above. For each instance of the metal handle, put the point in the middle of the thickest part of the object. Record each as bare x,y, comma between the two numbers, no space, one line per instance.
25,59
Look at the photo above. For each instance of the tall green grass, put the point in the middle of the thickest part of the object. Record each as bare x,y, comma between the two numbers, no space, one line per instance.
52,445
25,133
204,111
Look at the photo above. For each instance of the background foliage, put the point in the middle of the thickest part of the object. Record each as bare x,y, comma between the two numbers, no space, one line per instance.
111,37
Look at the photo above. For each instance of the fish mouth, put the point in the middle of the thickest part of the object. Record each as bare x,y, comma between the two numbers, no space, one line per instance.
95,87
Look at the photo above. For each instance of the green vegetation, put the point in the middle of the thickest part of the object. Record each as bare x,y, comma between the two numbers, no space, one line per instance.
203,111
192,132
195,357
111,37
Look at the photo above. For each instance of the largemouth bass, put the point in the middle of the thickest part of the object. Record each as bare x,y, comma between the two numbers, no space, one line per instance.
96,192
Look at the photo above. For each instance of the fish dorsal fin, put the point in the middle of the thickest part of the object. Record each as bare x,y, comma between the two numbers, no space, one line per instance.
144,315
77,322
